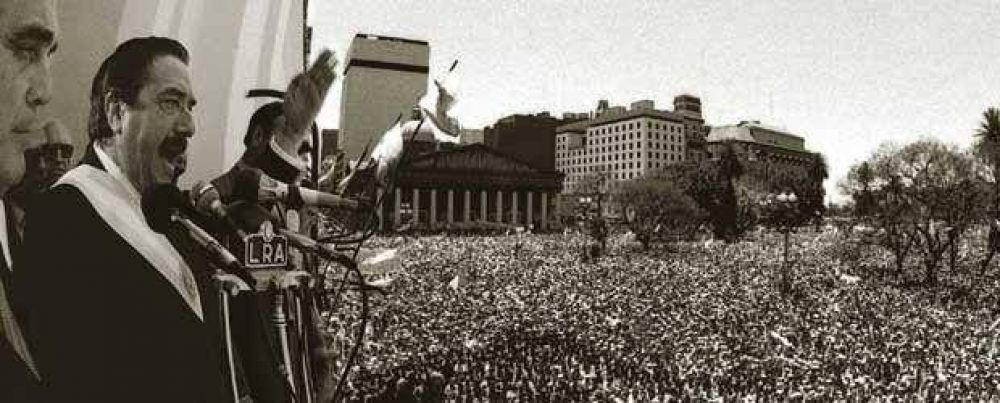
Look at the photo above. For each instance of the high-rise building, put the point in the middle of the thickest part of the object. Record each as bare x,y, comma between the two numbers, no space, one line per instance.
619,144
530,138
384,78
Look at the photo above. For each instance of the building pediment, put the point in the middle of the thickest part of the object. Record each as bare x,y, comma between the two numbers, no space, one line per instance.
472,158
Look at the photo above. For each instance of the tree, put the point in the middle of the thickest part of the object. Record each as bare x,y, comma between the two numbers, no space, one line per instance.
813,194
713,187
927,194
859,185
730,169
655,208
987,147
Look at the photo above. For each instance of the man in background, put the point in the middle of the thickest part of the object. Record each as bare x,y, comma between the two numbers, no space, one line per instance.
29,32
43,166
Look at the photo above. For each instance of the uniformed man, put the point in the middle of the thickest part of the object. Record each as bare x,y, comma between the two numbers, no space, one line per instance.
276,139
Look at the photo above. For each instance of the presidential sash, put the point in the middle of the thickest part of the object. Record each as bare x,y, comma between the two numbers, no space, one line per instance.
113,203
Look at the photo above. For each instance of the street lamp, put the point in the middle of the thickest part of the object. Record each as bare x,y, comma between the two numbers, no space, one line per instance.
781,212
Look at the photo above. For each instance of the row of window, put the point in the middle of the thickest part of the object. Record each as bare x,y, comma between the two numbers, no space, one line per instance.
615,157
603,138
570,182
618,147
578,167
620,127
561,140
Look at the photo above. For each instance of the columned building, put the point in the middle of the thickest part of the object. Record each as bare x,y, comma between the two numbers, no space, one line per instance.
467,186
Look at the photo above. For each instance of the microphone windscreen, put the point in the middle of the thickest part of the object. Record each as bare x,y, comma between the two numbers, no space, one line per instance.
159,203
206,199
197,190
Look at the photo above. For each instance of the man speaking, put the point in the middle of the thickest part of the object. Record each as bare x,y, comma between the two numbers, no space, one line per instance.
116,312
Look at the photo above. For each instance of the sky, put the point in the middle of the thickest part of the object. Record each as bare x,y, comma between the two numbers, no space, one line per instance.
846,75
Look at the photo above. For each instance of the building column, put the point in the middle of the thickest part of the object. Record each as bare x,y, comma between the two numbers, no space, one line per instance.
396,204
467,202
513,208
415,206
499,206
528,212
451,206
434,206
545,211
482,205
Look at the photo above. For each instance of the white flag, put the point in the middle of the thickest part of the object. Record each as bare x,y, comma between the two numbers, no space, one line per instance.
383,256
381,283
453,284
781,339
388,151
435,105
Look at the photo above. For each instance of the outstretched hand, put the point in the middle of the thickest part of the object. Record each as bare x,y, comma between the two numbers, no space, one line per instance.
305,95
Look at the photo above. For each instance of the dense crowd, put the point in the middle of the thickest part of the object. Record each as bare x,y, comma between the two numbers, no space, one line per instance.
523,318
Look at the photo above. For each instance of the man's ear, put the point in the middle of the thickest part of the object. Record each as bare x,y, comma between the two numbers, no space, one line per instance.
114,112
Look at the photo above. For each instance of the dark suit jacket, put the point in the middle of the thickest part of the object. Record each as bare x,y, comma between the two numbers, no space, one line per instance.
17,383
105,326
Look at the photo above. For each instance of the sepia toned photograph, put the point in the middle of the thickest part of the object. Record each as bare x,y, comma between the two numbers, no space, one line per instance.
311,201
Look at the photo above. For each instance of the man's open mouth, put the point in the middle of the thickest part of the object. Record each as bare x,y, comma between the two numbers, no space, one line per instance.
174,150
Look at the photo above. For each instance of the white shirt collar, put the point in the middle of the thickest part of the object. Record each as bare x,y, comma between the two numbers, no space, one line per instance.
116,172
289,159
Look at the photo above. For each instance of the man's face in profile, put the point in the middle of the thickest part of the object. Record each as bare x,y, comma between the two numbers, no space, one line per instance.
28,34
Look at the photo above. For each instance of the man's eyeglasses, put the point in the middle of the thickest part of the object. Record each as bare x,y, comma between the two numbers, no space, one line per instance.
171,106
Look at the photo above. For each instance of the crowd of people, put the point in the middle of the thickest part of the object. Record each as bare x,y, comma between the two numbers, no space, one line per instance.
524,318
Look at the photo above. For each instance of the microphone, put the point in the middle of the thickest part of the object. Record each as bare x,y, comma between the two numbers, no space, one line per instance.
254,186
164,205
206,199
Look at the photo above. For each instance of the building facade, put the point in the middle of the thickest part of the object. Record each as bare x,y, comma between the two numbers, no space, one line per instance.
444,186
772,157
622,144
384,77
531,138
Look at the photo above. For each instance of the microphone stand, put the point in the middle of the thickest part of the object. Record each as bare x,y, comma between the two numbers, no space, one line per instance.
227,284
293,281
